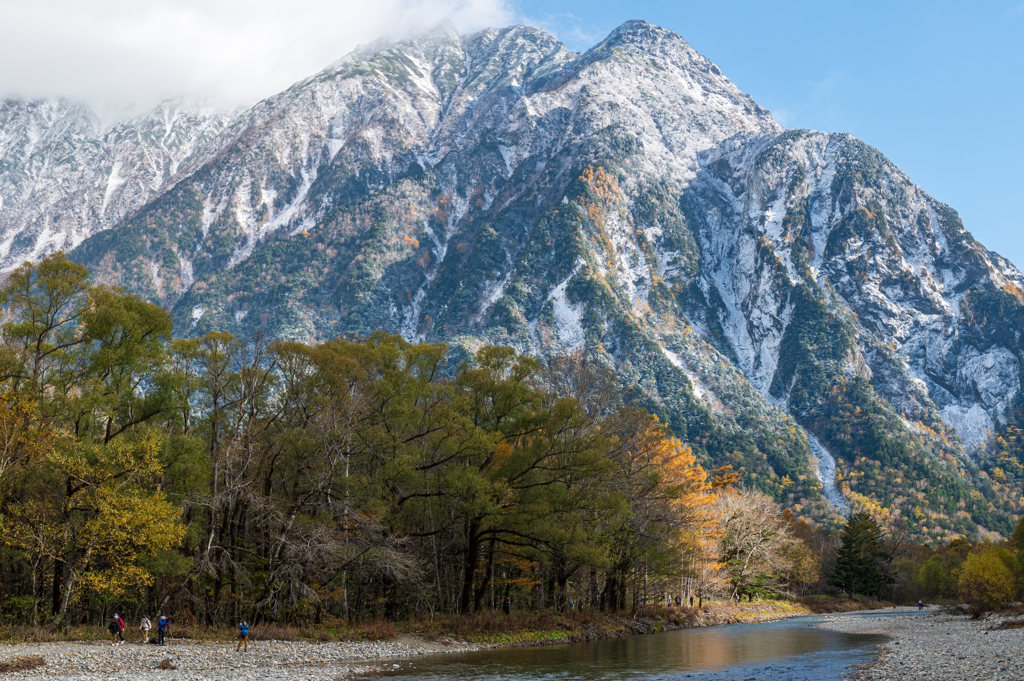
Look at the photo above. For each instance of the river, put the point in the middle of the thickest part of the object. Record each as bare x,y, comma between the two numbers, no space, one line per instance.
792,649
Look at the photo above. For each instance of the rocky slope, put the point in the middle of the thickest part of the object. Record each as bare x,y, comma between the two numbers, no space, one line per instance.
787,300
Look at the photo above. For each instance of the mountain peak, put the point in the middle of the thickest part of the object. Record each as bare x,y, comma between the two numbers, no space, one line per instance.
441,34
638,31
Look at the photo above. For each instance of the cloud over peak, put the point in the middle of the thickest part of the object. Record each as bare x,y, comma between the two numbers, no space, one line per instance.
127,53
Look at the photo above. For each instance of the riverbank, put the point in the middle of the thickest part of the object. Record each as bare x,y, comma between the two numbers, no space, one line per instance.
940,646
523,628
205,658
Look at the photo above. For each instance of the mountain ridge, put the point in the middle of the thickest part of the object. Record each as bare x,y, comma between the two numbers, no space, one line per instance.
788,301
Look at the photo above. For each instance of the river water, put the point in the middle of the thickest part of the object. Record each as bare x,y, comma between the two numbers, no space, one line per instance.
781,650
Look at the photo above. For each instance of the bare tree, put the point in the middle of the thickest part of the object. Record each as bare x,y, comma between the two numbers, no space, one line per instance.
753,536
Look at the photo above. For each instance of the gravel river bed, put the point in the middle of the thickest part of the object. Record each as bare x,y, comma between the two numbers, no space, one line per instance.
938,646
92,661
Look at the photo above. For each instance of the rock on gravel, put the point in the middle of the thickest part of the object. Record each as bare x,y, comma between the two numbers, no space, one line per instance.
938,646
295,661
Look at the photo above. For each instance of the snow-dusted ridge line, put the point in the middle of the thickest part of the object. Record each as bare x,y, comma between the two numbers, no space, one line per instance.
70,175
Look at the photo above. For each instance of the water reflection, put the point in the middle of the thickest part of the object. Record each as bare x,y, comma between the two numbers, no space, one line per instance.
788,649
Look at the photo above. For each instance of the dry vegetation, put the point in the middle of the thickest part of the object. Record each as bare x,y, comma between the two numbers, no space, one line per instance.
21,664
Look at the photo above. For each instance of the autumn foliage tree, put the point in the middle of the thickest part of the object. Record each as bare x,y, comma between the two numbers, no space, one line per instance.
81,374
985,582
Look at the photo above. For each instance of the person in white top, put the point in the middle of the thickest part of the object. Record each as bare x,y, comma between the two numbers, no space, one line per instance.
144,627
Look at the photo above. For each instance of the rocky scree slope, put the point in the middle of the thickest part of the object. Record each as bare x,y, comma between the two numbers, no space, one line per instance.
789,302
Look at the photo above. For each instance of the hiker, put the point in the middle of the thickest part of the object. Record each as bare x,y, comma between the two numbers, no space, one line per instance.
506,607
113,628
679,600
144,626
120,628
162,627
691,600
920,605
243,636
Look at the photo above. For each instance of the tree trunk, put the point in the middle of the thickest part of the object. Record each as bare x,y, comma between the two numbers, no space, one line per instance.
58,577
472,555
481,590
68,585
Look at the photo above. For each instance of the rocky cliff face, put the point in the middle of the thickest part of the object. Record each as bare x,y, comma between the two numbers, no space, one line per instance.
788,301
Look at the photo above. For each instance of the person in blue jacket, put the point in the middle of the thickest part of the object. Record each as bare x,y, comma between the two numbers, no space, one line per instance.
162,627
243,636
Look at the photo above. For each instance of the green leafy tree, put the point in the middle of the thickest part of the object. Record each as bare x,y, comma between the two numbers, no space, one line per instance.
862,561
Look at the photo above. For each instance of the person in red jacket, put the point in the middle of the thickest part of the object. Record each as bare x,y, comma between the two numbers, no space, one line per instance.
120,628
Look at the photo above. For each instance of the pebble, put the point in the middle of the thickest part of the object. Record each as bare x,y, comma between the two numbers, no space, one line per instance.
938,646
294,661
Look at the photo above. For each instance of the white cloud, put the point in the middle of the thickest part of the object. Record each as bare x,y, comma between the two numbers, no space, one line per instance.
136,52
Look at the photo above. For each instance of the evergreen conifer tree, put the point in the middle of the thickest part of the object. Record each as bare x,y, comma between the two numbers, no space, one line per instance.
862,559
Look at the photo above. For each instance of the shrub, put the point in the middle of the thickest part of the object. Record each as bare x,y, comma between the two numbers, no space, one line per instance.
20,664
985,581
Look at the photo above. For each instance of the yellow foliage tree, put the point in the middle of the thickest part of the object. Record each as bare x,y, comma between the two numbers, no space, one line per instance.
113,513
985,581
21,436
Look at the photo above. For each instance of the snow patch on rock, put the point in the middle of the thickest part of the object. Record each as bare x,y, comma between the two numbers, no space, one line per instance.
826,472
568,316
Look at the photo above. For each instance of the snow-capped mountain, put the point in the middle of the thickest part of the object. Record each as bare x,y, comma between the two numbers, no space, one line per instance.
788,301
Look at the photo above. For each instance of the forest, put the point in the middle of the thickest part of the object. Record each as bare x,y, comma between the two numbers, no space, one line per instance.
373,478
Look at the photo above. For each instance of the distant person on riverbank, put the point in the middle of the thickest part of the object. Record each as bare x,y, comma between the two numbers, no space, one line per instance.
920,605
243,636
113,628
144,626
163,625
506,607
120,628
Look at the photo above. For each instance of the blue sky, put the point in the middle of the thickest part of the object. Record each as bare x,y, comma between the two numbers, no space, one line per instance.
938,87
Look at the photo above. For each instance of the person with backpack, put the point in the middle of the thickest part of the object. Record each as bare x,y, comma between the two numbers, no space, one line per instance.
113,628
243,636
144,627
163,625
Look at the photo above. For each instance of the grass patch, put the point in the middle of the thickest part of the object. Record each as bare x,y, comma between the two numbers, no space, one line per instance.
488,627
23,634
372,630
21,664
1010,624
